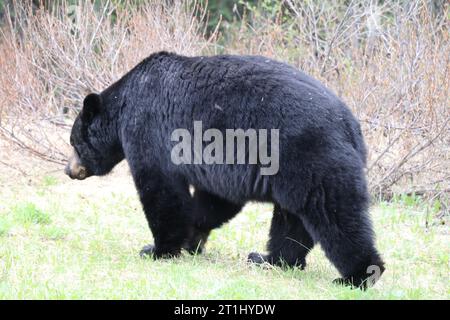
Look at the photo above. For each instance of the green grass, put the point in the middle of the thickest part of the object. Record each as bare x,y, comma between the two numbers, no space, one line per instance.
28,214
79,240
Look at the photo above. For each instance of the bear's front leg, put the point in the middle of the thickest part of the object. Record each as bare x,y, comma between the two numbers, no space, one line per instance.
209,212
168,206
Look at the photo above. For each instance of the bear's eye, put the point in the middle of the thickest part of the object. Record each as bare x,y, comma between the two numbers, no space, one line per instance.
76,150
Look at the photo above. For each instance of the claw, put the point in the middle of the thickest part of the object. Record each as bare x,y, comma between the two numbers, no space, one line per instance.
255,257
147,251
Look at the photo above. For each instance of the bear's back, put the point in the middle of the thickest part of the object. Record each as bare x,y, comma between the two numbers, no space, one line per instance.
235,92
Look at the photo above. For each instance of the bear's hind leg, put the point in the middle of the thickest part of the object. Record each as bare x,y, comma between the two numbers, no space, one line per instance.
337,218
209,212
289,241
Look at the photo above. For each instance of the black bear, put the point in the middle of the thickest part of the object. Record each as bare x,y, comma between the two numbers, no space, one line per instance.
317,184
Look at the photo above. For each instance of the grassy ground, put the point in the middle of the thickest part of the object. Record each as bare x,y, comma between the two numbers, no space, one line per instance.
62,239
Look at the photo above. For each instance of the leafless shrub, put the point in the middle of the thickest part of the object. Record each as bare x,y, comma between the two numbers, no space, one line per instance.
51,60
388,61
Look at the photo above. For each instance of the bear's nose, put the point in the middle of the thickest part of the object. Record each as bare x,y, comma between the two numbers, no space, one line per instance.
75,170
67,171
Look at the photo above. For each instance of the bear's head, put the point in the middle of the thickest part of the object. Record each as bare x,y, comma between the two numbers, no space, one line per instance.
94,138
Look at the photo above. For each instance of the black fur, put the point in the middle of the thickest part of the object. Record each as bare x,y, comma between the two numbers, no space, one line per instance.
320,191
289,241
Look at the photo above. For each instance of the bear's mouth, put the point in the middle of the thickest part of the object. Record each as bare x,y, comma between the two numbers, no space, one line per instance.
75,170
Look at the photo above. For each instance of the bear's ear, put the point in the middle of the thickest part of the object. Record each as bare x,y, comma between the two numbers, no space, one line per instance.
92,105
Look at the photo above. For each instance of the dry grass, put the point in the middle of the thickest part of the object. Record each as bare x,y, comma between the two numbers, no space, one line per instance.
389,62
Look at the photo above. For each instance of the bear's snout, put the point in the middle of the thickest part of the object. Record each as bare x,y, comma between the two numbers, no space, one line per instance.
74,169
